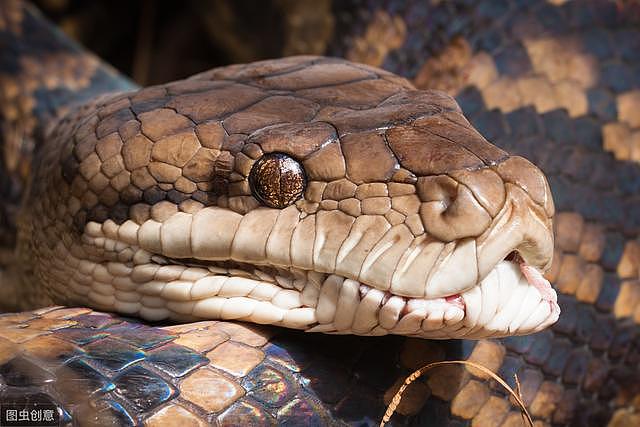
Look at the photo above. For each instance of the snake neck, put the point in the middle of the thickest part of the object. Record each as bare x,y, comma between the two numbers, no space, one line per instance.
42,74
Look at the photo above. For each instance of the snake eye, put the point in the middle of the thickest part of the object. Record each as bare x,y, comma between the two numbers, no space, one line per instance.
277,180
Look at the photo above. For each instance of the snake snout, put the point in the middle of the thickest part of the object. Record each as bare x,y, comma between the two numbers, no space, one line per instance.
523,225
533,202
521,172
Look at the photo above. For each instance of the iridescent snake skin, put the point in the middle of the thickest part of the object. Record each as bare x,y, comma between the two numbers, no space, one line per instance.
313,193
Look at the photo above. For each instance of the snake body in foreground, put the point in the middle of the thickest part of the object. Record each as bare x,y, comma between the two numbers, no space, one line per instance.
307,192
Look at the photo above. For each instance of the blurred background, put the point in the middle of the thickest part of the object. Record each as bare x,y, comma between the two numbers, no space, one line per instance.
159,41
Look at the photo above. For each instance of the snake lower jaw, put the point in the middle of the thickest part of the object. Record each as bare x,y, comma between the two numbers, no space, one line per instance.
513,299
509,301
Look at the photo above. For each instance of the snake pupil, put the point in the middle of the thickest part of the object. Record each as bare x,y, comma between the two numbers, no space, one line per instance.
277,180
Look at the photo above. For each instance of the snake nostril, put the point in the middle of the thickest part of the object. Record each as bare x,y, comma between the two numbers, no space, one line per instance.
449,211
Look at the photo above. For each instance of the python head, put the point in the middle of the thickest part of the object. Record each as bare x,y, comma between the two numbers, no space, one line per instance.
308,192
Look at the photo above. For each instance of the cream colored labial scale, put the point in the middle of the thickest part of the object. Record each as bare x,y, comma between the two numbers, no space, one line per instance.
120,267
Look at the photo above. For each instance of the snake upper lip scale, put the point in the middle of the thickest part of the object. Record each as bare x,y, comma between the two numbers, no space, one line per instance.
307,192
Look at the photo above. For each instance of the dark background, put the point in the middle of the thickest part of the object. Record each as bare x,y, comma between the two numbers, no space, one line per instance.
159,41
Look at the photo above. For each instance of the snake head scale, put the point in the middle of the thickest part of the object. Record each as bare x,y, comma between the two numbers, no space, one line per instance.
307,192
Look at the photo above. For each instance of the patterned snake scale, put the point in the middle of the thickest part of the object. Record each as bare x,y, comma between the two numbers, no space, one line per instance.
330,196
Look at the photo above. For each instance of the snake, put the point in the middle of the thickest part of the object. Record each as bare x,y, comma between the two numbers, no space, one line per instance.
170,247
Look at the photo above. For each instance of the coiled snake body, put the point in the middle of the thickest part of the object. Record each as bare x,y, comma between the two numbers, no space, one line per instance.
311,193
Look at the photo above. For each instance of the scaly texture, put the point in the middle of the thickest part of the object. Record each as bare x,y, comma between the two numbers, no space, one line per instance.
341,380
404,225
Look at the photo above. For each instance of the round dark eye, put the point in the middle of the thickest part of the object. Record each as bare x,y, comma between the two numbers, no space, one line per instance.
277,180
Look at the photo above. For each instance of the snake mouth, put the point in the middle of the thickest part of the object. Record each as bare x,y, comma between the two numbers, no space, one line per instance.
512,299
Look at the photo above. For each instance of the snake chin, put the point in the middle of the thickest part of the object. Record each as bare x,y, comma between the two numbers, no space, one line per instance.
513,299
